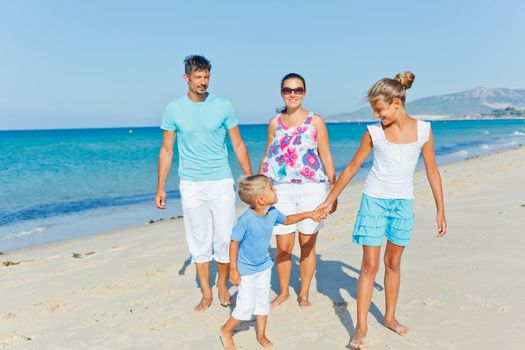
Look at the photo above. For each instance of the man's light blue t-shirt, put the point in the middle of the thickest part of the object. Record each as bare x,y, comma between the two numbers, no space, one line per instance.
200,131
254,233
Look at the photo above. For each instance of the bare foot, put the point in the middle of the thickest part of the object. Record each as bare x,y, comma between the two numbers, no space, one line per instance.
265,342
281,298
226,340
397,327
203,305
357,342
225,297
304,302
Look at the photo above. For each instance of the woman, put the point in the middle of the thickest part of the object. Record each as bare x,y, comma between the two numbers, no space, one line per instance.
299,161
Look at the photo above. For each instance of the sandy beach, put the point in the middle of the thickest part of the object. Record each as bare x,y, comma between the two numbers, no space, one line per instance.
134,289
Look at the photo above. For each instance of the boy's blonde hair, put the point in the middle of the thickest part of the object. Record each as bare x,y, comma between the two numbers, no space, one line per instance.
388,89
250,187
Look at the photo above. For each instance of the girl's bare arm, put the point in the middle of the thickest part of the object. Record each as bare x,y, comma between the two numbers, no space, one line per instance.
350,170
434,179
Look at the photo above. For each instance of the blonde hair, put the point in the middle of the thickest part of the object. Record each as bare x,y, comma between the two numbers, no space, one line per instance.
388,89
250,187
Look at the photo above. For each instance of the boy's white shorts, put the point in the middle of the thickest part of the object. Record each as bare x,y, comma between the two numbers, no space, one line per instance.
253,297
209,210
298,198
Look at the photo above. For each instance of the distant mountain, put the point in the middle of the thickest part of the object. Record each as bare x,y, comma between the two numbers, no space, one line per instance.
476,102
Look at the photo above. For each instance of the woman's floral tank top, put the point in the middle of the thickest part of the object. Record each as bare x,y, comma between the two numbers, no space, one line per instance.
292,156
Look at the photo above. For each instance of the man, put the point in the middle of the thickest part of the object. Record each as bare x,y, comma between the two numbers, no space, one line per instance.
201,120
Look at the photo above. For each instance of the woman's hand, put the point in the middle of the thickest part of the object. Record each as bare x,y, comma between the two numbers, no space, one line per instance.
323,210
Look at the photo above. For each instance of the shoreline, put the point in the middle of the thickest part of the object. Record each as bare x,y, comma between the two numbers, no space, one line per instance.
239,207
177,214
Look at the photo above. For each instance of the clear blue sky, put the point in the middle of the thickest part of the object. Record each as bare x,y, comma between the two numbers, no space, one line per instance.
67,64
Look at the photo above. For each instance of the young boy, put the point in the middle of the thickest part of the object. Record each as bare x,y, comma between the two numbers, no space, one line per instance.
250,263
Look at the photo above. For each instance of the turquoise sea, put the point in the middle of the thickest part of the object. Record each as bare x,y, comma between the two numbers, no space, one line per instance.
59,184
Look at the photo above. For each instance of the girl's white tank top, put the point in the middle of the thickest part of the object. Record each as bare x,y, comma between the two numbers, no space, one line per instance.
392,173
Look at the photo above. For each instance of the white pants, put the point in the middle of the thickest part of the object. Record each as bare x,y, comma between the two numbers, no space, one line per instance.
298,198
253,297
209,210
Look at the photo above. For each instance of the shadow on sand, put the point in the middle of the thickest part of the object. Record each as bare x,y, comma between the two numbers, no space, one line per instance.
334,276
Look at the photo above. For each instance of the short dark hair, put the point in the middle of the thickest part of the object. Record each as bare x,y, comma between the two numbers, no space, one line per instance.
196,62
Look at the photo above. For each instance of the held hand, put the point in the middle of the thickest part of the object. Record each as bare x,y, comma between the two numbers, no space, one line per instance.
442,225
235,277
317,216
323,209
160,199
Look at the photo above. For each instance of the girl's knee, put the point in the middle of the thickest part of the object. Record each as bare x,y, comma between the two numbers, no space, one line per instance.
393,265
369,267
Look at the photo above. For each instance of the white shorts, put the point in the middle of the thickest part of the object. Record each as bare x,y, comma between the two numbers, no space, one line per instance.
209,210
298,198
253,297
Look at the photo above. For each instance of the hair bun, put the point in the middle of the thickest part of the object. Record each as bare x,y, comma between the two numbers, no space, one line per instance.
405,79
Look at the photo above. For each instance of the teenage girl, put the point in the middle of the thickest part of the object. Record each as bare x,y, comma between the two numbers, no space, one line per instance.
386,209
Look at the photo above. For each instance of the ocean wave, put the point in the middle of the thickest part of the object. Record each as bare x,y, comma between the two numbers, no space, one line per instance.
484,146
35,231
518,133
486,132
460,153
48,210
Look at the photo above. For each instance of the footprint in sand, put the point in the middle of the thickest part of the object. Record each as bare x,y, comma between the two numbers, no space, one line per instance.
483,302
9,316
311,336
155,272
431,302
60,308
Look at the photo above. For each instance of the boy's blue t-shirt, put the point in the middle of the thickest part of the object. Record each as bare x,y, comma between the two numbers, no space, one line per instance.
200,132
254,233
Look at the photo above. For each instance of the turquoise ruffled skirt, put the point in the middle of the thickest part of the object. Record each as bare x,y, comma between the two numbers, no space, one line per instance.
379,218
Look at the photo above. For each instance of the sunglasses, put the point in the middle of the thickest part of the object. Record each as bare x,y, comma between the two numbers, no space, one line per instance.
288,91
